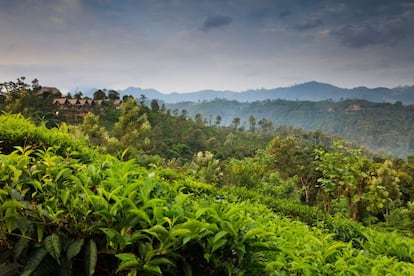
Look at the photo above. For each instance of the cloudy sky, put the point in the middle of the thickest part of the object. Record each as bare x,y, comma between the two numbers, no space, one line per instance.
177,45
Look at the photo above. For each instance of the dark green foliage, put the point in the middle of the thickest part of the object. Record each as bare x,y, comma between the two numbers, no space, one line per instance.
20,97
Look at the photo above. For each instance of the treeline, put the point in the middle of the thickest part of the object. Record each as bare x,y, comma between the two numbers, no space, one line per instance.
379,126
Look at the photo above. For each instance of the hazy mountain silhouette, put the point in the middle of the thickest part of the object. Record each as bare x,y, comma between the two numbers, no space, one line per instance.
309,91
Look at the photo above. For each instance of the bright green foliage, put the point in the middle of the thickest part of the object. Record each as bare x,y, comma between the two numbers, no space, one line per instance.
15,131
383,189
63,215
132,127
343,174
246,173
90,127
206,167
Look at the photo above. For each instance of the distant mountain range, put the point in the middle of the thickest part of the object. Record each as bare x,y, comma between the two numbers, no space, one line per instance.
309,91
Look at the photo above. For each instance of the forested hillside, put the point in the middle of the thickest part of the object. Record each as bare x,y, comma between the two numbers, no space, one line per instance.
378,126
143,190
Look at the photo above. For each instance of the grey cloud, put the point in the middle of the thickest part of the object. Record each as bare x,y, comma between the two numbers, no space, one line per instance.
216,21
358,37
388,32
310,24
284,14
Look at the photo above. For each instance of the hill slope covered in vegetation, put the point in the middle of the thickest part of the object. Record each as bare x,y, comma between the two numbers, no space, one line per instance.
69,209
378,126
148,191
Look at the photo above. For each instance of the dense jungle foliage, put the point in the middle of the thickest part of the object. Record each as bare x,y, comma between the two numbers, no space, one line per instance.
382,127
143,191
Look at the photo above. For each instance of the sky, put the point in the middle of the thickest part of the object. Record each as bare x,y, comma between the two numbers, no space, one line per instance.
184,46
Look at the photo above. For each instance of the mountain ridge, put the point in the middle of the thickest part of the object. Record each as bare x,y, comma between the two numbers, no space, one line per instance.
308,91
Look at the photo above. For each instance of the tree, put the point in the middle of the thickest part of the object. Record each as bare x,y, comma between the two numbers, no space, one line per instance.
90,126
252,124
383,188
99,95
198,119
78,95
265,125
235,123
184,114
35,85
218,120
113,95
132,129
154,106
207,168
142,99
344,173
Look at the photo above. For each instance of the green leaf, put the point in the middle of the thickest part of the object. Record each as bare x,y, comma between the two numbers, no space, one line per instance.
142,214
11,204
218,244
218,236
207,256
180,232
62,172
110,233
65,195
74,248
200,212
91,257
161,261
158,231
186,239
53,245
125,257
333,248
40,232
21,245
129,265
251,233
34,260
128,261
153,268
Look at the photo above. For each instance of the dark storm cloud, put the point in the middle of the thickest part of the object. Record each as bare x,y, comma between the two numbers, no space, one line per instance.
381,32
284,14
310,24
164,41
216,21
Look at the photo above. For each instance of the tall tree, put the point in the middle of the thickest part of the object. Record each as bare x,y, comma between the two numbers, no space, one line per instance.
142,99
383,189
218,120
132,128
154,105
198,119
99,95
344,173
252,124
113,95
78,95
235,123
